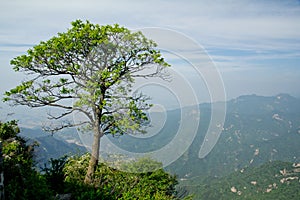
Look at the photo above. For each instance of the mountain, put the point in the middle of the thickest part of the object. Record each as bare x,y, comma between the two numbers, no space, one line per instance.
272,180
257,130
49,146
260,137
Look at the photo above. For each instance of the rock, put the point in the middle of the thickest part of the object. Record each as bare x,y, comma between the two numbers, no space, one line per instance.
63,196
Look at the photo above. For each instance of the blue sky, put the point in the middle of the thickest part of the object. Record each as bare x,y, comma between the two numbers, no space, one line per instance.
254,44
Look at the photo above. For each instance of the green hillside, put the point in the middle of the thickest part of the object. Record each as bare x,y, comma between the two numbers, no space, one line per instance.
273,180
257,130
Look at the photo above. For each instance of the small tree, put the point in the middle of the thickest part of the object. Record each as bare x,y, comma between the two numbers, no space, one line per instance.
95,67
21,181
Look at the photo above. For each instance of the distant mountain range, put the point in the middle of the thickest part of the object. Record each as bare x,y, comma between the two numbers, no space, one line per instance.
247,162
256,157
257,130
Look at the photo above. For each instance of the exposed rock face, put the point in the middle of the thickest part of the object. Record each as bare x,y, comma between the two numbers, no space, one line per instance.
63,197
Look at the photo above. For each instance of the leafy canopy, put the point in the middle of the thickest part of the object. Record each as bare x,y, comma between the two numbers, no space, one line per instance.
90,69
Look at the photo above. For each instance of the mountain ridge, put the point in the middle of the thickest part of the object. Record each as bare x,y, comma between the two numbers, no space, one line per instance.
252,122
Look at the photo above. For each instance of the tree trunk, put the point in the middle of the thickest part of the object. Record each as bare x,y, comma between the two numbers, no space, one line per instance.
94,155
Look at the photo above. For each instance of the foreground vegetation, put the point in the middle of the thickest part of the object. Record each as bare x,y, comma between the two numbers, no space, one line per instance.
64,177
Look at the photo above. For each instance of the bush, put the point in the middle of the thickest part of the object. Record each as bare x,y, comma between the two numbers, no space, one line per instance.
110,183
21,181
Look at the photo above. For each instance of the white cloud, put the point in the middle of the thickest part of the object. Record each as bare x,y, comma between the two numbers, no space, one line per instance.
267,29
243,24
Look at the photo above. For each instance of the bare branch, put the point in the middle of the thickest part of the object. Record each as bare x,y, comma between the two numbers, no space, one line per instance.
54,128
51,117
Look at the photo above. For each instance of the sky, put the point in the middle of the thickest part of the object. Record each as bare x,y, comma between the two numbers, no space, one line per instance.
254,45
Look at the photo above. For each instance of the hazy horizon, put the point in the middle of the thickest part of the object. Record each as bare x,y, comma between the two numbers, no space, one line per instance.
253,46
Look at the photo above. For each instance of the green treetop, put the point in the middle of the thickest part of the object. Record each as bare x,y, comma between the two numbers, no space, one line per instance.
93,66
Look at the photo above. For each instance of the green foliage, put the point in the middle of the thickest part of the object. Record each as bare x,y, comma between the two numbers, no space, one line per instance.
54,174
21,181
95,66
140,179
141,165
8,130
110,183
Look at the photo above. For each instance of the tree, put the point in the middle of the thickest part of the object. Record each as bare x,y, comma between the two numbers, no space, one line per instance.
21,181
95,67
54,174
